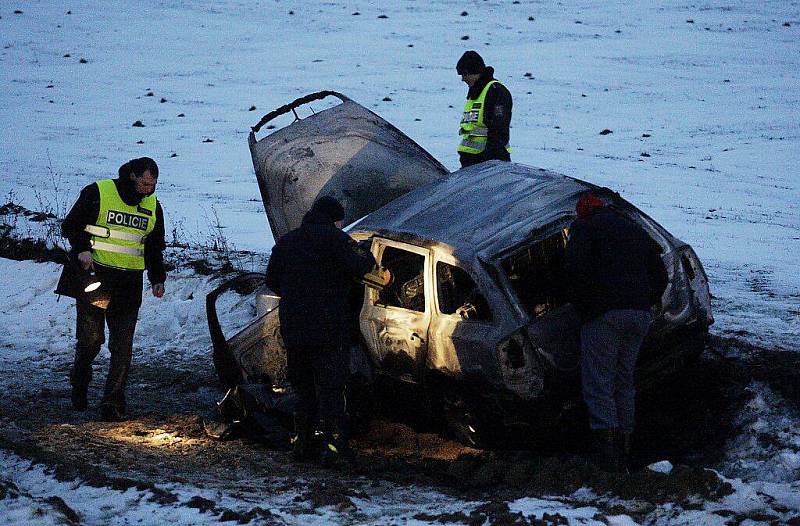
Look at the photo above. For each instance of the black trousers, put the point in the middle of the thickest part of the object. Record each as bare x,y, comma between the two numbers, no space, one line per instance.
318,376
468,159
90,332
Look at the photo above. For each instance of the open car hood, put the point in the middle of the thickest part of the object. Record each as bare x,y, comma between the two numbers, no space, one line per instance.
345,151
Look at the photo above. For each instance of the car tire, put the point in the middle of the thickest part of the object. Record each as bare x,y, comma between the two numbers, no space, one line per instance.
461,420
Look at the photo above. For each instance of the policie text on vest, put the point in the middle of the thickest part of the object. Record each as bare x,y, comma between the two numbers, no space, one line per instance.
115,217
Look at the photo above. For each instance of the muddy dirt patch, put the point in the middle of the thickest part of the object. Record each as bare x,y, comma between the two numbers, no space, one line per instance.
688,422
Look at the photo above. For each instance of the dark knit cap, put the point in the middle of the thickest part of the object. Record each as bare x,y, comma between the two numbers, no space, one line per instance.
470,63
330,207
138,167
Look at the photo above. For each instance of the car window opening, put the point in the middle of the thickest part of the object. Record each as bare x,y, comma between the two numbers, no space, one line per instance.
458,294
537,274
407,289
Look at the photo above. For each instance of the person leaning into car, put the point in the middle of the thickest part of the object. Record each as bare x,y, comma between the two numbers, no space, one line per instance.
485,123
116,229
312,269
615,273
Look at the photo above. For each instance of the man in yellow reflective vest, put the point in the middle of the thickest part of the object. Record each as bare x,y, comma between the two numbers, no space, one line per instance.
485,123
116,229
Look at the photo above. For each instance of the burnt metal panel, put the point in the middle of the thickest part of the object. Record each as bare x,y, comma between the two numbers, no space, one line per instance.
481,209
259,350
345,151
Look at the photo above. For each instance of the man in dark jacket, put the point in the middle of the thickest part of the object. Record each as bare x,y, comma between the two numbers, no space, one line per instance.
116,229
312,269
484,127
616,274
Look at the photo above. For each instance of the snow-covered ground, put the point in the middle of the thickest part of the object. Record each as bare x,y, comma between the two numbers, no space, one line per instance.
703,100
35,504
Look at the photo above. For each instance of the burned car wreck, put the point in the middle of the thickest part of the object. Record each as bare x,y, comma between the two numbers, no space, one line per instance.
475,330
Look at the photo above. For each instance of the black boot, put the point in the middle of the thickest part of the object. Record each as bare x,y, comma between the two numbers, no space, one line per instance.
79,395
110,413
303,444
605,452
624,447
333,443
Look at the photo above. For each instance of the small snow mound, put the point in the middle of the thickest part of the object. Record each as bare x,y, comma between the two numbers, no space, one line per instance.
664,466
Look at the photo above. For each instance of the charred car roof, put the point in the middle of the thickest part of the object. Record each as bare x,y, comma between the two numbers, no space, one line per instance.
479,210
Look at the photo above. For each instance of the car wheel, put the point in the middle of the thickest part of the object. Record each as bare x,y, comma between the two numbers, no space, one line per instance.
461,421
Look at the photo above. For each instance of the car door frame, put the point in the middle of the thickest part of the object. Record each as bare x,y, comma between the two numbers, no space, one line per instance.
388,329
447,330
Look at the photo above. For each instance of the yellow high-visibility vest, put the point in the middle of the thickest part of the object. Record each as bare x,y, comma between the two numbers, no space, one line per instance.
121,229
473,130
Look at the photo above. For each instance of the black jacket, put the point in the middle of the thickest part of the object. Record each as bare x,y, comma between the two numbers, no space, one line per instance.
497,116
124,285
312,269
612,263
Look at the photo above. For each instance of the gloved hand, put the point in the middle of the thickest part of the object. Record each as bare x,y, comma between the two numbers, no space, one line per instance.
377,278
85,259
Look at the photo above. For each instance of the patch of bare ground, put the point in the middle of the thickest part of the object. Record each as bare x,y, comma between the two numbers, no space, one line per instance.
164,441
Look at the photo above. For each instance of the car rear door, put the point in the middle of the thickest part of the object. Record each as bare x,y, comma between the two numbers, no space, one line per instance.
464,331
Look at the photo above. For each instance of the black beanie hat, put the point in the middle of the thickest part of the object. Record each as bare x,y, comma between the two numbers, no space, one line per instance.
330,207
470,63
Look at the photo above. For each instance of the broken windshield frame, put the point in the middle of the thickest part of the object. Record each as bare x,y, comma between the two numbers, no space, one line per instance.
501,273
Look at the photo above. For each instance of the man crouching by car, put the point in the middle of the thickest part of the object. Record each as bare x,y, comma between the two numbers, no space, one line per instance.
616,274
312,269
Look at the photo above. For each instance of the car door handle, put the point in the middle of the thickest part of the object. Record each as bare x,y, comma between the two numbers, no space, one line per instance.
415,335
